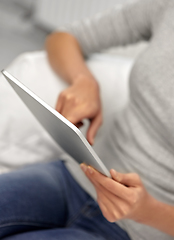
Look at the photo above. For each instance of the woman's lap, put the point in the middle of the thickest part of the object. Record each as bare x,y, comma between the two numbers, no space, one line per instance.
29,197
44,200
56,234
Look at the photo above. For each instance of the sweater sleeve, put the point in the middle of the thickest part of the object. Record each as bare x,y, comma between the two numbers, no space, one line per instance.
120,25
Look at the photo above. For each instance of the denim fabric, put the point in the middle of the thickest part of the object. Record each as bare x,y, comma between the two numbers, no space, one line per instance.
43,201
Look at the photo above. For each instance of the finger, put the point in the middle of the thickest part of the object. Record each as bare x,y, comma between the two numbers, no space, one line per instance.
74,113
114,208
111,185
116,201
105,199
109,210
129,179
59,104
94,126
67,106
74,118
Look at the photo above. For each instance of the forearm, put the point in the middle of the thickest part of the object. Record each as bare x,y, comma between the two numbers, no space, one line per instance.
66,58
159,215
74,103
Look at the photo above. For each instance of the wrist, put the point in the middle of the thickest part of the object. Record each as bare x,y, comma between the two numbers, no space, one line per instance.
148,210
159,215
85,78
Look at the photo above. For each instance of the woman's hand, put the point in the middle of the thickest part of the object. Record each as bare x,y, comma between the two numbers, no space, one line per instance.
80,101
123,196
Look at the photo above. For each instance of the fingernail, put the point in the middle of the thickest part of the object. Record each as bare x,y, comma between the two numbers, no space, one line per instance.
113,172
83,167
90,170
115,175
90,141
118,177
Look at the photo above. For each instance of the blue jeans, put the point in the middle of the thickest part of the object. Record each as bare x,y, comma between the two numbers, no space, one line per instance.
43,201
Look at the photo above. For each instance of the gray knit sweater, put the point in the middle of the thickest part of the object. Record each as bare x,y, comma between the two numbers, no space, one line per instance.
143,140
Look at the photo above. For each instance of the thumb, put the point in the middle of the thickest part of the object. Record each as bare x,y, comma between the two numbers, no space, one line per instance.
128,179
94,126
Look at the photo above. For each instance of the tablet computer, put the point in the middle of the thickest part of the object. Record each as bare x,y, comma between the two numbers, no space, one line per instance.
65,134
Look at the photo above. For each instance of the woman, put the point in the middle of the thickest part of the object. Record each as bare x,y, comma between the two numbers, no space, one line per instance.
139,197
